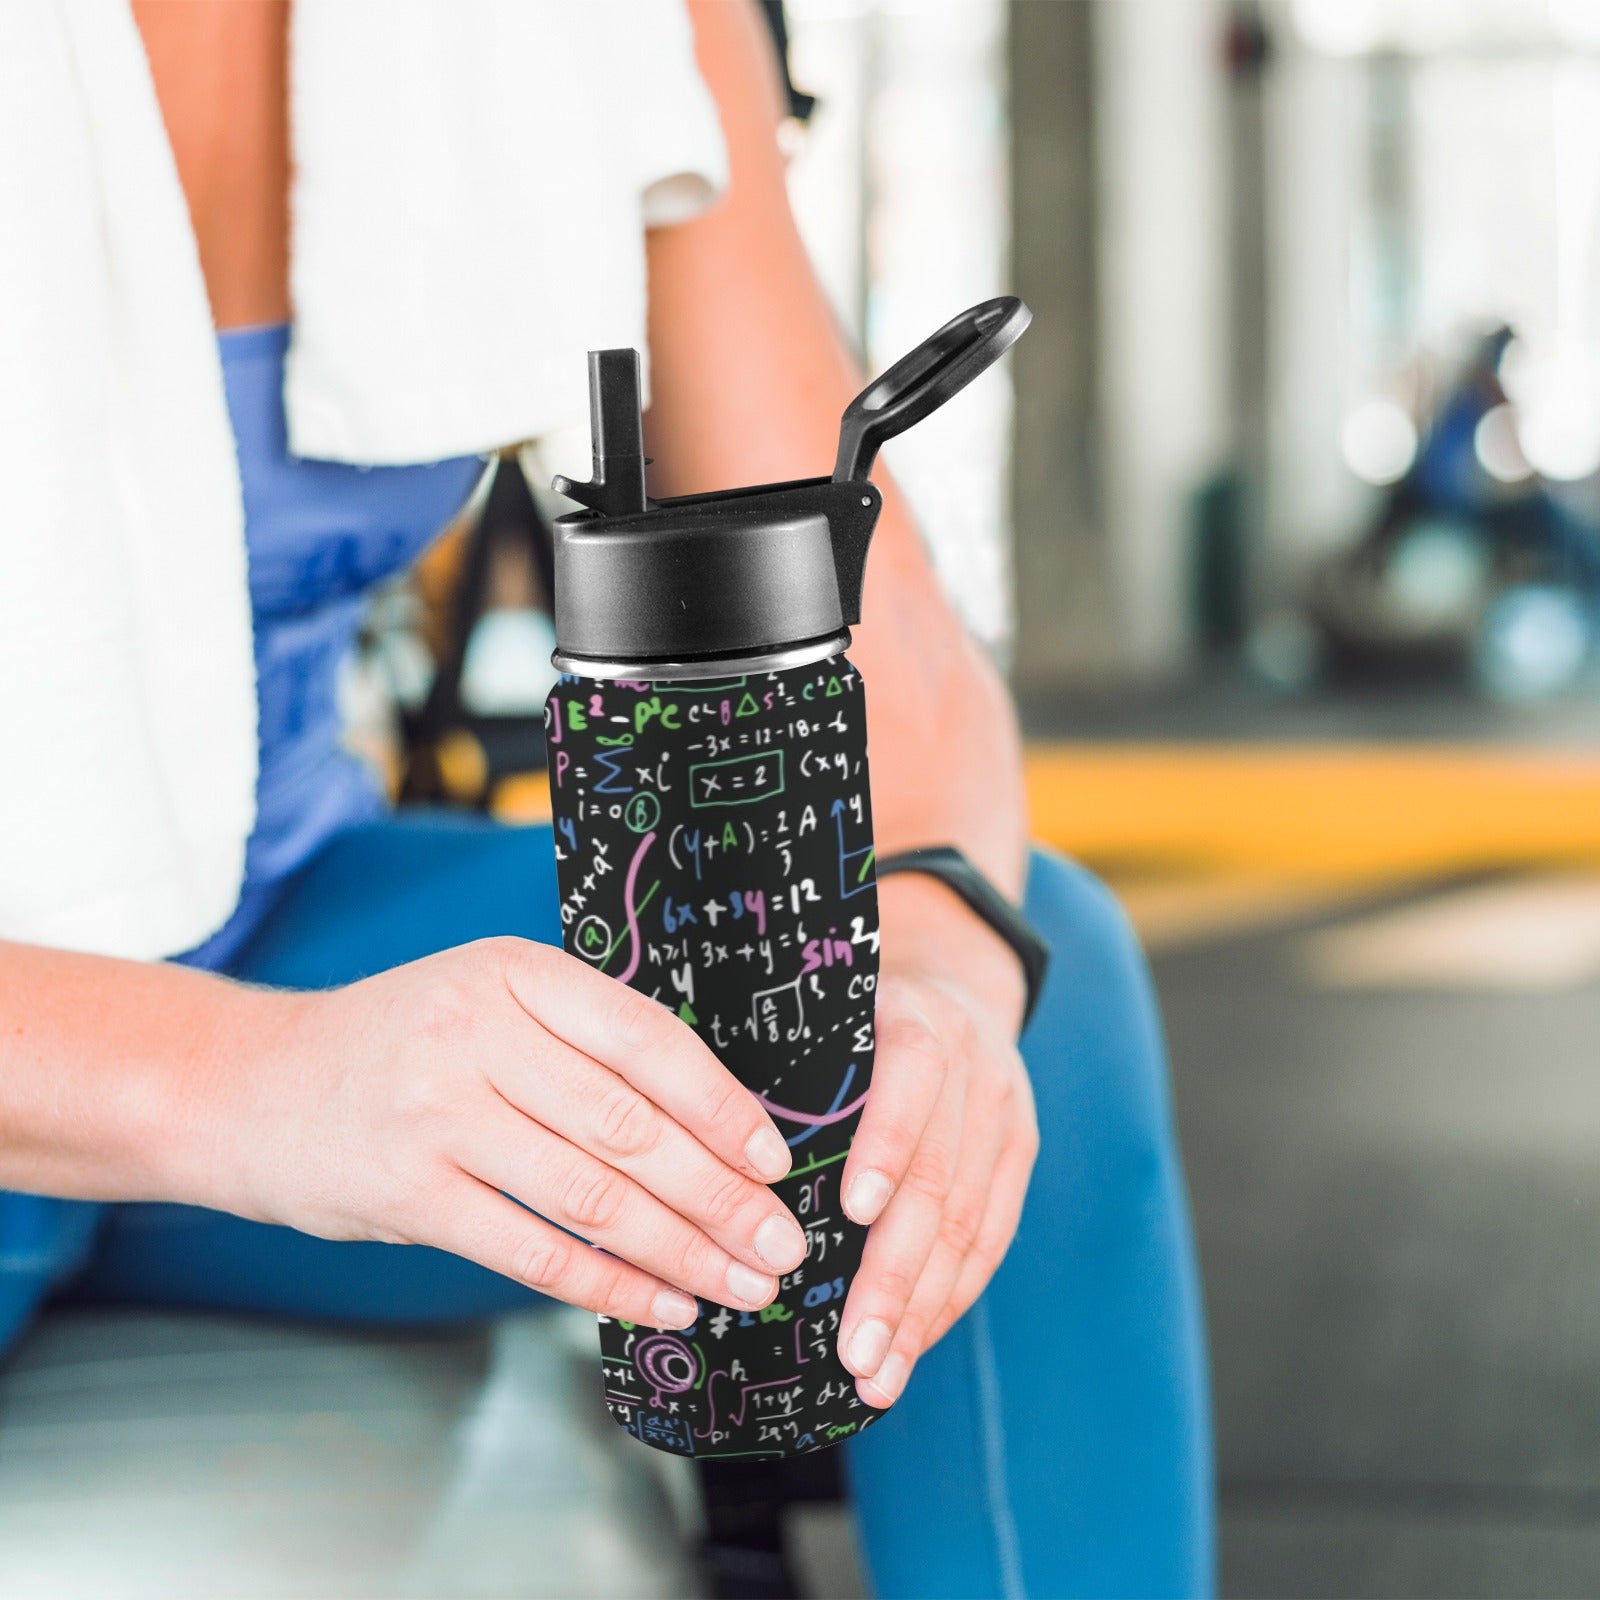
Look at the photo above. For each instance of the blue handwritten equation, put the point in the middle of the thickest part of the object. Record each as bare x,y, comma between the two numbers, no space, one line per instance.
714,851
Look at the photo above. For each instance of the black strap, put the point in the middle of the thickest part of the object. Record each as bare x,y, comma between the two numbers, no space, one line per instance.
799,104
452,754
952,868
509,512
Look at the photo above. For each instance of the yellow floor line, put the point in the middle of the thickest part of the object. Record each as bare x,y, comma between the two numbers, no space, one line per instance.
1201,840
1322,811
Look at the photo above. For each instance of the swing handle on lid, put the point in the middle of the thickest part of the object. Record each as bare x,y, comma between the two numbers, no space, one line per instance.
920,382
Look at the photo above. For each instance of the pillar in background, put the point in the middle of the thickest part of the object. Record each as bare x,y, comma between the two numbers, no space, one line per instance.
1122,410
1064,624
1161,123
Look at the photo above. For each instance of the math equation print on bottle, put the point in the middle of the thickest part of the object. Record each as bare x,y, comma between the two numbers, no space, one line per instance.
714,850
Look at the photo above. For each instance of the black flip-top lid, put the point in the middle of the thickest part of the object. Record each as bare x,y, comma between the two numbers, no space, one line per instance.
750,577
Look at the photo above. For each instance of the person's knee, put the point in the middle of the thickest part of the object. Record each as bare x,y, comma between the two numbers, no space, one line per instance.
1096,963
1094,1046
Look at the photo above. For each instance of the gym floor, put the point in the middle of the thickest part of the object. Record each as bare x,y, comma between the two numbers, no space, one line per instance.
1397,1197
1379,966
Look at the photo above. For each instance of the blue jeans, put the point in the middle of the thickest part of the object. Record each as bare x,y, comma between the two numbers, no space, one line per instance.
1055,1442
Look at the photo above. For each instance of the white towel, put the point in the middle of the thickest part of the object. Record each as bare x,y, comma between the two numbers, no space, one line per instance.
472,186
127,687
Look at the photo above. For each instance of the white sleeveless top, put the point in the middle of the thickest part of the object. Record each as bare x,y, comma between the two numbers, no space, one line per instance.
472,187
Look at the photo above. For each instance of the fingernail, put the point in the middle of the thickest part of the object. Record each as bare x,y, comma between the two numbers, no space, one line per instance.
890,1379
746,1284
673,1310
869,1344
869,1194
780,1243
768,1154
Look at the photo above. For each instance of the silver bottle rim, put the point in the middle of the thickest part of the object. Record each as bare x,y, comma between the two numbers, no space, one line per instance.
793,655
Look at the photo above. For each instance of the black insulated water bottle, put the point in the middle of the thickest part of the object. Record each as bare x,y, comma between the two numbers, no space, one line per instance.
714,846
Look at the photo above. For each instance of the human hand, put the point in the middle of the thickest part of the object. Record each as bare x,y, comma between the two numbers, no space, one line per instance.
406,1107
949,1123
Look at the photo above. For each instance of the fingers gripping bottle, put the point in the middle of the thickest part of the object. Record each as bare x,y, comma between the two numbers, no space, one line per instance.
713,821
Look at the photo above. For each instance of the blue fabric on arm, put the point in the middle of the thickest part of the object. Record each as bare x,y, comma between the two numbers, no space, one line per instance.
319,535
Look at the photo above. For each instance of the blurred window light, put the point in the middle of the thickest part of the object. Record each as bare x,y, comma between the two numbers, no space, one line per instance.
1562,441
1379,441
1421,27
1535,641
507,670
1498,448
1556,386
1438,572
1576,22
1339,27
1285,650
